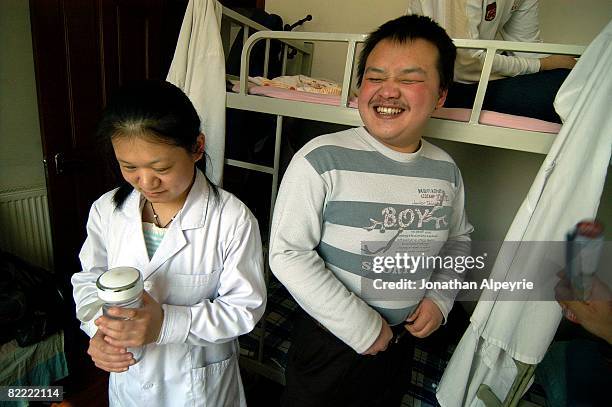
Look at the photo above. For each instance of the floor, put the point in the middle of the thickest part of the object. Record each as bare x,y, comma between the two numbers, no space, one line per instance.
90,389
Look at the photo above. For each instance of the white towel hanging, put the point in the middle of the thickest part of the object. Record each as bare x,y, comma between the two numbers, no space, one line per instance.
198,68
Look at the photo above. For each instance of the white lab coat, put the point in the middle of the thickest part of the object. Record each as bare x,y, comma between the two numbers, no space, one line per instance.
198,68
567,189
206,273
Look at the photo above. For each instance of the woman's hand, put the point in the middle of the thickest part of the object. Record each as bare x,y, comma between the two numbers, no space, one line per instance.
133,326
108,357
594,314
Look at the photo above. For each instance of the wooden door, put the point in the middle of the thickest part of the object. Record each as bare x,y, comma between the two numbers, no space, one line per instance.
83,50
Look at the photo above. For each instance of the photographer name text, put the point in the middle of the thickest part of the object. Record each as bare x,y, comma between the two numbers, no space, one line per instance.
486,284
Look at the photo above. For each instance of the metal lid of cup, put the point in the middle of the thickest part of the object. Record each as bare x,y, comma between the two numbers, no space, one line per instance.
119,284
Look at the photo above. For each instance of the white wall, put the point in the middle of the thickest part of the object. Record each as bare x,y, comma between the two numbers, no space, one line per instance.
573,21
496,180
20,145
354,16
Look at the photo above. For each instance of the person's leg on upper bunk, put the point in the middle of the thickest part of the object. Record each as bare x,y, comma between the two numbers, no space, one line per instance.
529,95
351,198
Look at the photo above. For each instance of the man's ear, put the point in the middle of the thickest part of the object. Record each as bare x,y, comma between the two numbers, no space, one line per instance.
442,98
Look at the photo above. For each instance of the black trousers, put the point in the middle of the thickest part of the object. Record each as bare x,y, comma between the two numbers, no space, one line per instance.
323,371
529,95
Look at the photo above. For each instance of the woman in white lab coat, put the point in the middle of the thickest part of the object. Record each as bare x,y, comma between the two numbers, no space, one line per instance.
198,249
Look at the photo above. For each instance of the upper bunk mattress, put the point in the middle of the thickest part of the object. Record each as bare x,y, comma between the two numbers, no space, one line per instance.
457,114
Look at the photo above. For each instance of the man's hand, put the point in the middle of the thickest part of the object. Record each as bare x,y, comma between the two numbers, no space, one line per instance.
135,326
594,315
381,343
108,357
425,319
557,61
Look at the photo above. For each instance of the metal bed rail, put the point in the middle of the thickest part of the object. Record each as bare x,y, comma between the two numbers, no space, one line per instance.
304,50
491,48
303,63
513,139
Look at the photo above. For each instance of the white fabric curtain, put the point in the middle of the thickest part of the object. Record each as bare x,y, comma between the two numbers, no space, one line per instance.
198,68
567,189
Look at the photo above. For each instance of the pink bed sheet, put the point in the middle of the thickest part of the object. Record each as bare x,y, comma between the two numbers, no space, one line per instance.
463,115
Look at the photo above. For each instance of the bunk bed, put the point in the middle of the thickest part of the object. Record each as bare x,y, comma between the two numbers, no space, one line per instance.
265,349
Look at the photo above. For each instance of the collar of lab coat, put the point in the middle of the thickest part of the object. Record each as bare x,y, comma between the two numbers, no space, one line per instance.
191,216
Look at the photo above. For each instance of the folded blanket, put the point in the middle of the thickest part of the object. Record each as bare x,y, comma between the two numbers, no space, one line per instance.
300,83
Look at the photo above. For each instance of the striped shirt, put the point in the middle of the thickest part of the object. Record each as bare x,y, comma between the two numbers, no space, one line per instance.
153,237
346,199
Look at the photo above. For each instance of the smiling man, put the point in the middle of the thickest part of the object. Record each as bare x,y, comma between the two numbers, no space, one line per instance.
362,193
399,89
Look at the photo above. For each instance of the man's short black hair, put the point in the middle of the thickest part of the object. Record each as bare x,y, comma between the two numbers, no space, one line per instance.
409,28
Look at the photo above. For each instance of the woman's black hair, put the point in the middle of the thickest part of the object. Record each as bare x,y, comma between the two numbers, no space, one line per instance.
409,28
156,109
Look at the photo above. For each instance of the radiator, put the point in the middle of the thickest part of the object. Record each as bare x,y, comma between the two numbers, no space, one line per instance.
25,229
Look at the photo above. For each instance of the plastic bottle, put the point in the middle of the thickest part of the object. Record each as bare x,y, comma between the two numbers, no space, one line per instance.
121,287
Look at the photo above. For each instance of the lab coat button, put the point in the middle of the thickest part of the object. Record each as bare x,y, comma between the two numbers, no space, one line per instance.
147,386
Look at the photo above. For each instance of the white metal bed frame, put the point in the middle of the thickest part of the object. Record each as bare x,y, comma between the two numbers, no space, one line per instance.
466,132
302,65
471,132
